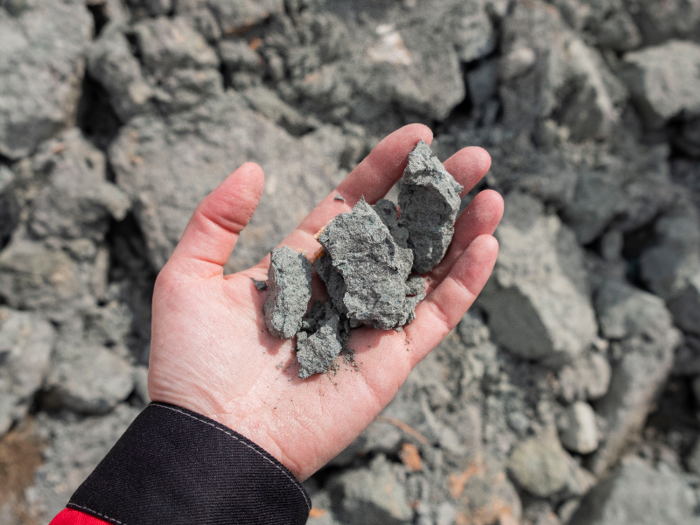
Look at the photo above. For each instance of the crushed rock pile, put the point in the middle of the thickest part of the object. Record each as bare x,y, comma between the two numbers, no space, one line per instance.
568,394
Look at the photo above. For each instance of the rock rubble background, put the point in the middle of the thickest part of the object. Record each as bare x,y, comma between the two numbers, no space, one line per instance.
568,395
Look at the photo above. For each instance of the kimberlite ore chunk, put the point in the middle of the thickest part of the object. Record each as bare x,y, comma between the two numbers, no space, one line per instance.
317,352
289,282
367,280
429,201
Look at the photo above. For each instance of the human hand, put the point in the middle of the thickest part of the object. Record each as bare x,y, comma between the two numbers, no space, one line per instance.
211,351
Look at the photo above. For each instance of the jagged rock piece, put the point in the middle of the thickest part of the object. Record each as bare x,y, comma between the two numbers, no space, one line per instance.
25,350
178,60
668,265
663,81
540,466
429,201
390,217
534,283
78,201
87,378
112,64
289,282
317,351
373,268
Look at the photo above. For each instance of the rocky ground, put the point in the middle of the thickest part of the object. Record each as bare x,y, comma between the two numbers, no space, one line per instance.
567,395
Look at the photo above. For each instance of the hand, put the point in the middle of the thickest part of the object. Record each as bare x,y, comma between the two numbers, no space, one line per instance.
210,349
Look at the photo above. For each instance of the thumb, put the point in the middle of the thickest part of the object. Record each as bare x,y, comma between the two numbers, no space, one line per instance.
216,224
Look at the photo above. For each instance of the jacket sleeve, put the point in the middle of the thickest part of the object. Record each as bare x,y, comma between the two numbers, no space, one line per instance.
175,466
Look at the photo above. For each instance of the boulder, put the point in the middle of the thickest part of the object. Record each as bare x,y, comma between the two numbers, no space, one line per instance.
373,496
540,466
41,80
87,378
535,308
663,81
25,349
178,62
36,277
644,327
637,494
77,202
168,164
557,77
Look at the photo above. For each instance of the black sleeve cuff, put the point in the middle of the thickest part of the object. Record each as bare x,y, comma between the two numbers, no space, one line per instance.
175,466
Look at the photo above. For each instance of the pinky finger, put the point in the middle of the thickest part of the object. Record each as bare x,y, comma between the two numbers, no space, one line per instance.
444,307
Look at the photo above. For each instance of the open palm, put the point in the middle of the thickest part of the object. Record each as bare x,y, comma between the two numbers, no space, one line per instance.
210,349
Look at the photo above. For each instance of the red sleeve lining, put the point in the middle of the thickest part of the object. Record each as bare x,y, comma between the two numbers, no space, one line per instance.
75,517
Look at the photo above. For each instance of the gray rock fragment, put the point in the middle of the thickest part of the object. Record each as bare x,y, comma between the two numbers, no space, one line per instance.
179,62
25,349
577,428
372,266
372,496
637,494
87,378
41,80
647,343
540,466
587,378
78,201
169,164
663,81
532,286
674,259
35,277
317,351
429,200
260,285
289,282
112,64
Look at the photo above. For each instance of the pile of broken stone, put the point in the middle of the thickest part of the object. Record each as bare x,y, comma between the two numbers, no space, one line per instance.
365,262
568,394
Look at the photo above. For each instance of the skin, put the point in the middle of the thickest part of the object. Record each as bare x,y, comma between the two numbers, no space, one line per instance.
210,349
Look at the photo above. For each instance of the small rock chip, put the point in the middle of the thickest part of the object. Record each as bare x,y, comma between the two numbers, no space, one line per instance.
339,197
429,200
260,285
289,281
317,351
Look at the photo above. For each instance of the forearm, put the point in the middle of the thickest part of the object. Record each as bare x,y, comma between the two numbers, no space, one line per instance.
175,466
